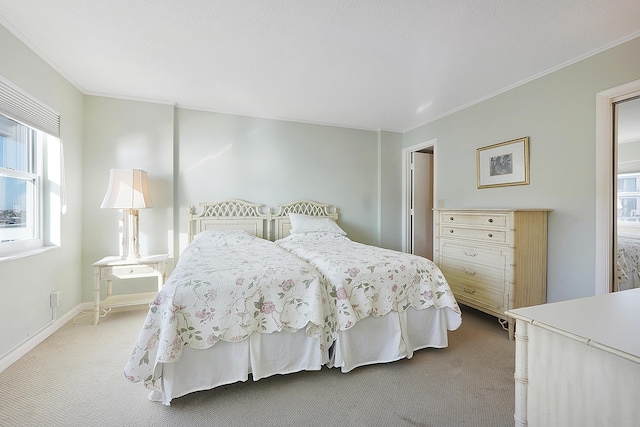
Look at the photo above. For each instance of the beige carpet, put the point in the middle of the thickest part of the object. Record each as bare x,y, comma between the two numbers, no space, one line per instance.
74,378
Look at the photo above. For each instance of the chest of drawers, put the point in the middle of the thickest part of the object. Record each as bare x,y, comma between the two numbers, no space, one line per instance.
494,260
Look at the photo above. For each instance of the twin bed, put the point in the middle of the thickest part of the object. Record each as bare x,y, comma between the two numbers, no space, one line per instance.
238,303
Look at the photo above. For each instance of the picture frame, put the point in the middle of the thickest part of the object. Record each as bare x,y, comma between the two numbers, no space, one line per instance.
503,164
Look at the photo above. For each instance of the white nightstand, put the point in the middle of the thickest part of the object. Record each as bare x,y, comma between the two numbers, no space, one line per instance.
114,267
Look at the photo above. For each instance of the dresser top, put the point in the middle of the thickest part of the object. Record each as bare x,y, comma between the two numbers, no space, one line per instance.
492,210
612,320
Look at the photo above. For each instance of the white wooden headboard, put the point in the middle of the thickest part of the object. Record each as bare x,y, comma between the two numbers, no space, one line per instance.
304,207
230,214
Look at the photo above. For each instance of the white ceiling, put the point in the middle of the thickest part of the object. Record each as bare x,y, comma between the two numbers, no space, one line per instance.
369,64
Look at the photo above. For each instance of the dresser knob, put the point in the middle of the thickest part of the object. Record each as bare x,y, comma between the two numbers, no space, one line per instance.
450,231
490,235
490,219
451,218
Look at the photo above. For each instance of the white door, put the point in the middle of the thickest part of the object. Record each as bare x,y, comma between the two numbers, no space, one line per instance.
422,204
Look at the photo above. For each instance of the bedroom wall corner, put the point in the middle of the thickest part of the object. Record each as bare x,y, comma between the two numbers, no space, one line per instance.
390,177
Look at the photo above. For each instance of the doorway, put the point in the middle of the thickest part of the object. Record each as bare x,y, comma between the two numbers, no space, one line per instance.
418,195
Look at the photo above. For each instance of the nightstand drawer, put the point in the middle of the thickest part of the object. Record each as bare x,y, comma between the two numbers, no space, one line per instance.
126,270
483,220
486,235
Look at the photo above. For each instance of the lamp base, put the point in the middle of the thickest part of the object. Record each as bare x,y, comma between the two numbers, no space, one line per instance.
130,244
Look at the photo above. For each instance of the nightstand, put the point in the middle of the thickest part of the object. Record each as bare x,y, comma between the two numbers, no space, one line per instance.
112,267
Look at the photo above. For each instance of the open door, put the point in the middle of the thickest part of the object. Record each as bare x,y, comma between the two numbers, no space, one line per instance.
421,204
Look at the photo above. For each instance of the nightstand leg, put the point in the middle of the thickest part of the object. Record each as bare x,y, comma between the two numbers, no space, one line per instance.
96,295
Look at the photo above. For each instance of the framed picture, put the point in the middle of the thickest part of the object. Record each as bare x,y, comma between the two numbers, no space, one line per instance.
504,164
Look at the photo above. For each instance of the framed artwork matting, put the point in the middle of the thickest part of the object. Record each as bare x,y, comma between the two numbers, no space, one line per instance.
503,164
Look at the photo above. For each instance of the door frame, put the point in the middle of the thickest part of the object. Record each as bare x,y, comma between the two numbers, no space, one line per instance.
604,182
406,188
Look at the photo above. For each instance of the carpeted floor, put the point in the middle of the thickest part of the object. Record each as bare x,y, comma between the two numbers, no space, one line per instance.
74,378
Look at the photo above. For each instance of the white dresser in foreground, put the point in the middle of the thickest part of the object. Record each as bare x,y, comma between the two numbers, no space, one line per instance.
578,362
494,259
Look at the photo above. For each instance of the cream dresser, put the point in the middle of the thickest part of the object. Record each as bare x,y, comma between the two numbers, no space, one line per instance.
494,259
578,362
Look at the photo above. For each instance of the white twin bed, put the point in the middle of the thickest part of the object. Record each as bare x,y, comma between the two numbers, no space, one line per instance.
238,304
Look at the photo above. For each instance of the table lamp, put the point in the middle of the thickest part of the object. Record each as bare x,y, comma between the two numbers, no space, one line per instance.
129,191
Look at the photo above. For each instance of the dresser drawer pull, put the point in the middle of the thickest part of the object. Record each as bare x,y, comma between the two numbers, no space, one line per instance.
470,273
467,253
469,291
451,218
490,235
490,219
450,231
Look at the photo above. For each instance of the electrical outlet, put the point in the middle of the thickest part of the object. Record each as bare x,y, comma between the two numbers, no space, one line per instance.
56,299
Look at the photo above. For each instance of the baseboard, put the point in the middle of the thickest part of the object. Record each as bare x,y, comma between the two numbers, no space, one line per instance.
46,331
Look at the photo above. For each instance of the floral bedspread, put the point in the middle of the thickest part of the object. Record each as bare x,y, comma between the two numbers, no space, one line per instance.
226,286
371,281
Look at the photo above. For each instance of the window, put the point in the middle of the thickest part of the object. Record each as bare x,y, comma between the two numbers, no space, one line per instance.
20,189
31,173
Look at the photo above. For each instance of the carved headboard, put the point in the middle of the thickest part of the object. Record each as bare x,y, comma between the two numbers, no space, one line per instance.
230,214
304,207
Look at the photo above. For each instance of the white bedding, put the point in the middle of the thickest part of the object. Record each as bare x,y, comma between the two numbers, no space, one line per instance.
226,287
370,283
237,305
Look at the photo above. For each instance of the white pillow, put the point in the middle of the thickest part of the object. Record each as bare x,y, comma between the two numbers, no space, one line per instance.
310,224
224,237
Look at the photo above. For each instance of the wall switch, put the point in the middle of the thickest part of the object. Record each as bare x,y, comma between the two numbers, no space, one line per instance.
56,299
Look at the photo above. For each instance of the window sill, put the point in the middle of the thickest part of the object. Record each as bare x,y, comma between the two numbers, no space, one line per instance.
25,253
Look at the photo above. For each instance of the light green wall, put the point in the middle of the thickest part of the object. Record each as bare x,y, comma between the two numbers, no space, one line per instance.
122,134
27,282
390,177
557,113
196,156
264,161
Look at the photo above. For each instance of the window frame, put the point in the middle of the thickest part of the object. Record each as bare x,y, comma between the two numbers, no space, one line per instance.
50,199
35,161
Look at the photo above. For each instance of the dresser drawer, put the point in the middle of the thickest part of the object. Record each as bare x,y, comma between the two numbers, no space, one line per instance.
498,257
481,235
480,219
482,275
126,270
479,295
